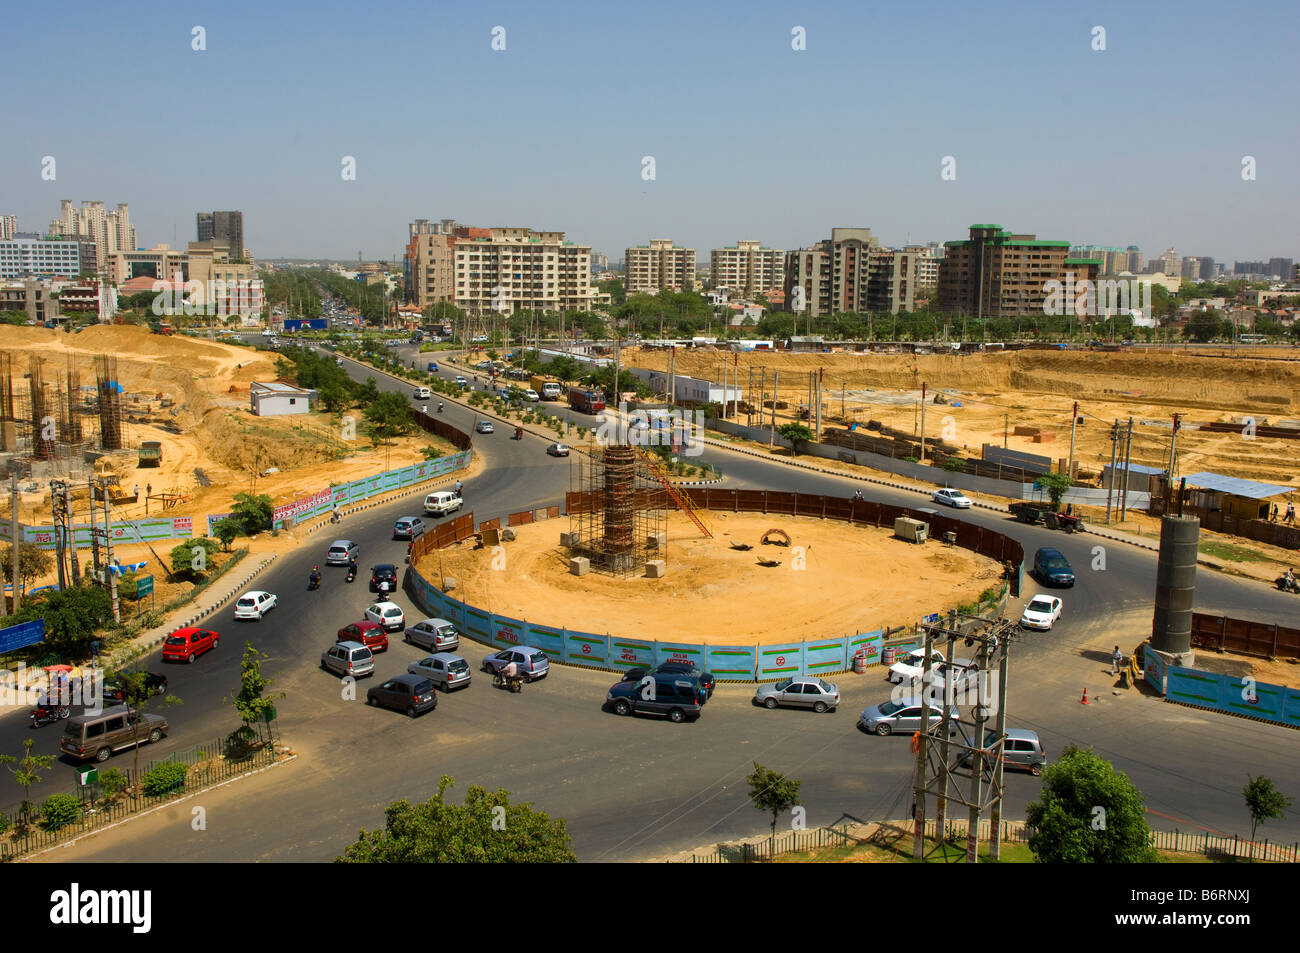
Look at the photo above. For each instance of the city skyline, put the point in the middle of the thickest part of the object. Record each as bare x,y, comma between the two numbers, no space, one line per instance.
578,103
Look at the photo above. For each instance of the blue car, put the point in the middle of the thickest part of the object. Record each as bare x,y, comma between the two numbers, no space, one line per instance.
432,367
1052,568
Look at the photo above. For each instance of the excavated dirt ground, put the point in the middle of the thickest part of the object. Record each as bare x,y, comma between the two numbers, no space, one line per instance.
999,391
856,579
208,434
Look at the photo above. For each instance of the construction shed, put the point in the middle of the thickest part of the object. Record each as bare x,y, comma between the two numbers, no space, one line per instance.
277,400
1245,499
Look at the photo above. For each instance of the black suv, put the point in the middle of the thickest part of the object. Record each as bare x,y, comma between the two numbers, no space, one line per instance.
707,681
677,696
1052,568
384,572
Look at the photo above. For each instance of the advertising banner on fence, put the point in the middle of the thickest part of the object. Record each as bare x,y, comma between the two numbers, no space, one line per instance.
133,531
824,657
680,652
868,642
545,637
507,631
303,507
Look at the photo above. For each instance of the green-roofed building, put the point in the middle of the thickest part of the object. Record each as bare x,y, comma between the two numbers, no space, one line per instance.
995,273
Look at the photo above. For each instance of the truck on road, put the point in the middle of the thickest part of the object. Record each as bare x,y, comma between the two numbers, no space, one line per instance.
586,400
548,388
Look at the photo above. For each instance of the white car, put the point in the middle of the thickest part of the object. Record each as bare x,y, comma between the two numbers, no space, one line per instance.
951,497
530,394
387,614
423,393
910,667
484,426
1041,612
254,605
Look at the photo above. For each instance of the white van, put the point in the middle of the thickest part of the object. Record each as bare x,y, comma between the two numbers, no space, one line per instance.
551,390
440,502
423,393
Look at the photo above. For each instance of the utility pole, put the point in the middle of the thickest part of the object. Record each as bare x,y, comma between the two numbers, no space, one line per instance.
94,538
1006,426
922,423
1128,462
749,399
1074,420
1110,484
72,534
1173,448
13,550
843,414
776,387
108,546
820,372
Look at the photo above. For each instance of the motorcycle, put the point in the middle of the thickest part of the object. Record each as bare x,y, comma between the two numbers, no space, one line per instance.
439,407
1293,585
313,581
352,573
519,433
514,683
44,714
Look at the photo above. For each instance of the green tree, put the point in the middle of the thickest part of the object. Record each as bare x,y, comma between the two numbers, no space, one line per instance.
33,563
367,392
226,530
389,415
1264,801
25,775
1203,326
487,828
1088,812
72,617
190,560
13,317
253,701
772,793
797,434
60,810
253,512
1056,484
139,697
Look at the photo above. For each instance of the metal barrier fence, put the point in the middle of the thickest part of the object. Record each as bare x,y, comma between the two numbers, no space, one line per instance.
1012,832
728,662
206,769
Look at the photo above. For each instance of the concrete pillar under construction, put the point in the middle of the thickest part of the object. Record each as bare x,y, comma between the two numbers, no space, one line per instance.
1171,624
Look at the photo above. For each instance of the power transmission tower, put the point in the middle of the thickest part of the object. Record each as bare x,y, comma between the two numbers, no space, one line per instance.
965,748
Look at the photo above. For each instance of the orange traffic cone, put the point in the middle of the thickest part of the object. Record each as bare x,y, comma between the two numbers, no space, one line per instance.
1084,700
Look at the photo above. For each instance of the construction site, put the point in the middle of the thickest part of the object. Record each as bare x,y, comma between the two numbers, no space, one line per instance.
161,426
1025,401
640,560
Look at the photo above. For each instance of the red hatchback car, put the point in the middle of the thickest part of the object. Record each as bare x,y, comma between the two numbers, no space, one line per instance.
184,645
370,634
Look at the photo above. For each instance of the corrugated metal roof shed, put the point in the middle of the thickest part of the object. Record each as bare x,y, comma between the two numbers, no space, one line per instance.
1236,486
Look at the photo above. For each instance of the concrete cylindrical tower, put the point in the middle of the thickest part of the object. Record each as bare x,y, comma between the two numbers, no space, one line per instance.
1171,625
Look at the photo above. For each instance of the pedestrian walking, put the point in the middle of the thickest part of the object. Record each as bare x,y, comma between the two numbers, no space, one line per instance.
457,488
135,491
1116,658
1290,513
424,409
1274,514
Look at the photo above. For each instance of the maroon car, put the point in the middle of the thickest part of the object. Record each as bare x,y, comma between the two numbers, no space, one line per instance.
370,634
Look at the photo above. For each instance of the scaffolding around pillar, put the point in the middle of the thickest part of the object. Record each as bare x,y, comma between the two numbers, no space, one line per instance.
618,511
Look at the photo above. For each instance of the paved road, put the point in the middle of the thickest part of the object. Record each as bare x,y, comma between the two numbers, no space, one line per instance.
668,787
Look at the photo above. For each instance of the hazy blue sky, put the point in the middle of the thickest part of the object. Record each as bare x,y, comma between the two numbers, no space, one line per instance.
1141,143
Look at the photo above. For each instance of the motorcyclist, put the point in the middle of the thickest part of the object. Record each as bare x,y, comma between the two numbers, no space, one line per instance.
439,406
315,576
352,567
519,433
1289,581
510,673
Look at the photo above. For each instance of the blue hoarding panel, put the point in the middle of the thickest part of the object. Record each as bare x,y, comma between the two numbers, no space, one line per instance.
585,648
631,653
779,661
680,652
871,643
824,656
731,662
545,637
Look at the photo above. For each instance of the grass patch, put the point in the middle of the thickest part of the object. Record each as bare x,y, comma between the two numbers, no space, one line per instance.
1236,554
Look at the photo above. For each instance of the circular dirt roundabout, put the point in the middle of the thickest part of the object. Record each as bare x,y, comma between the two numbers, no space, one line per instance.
853,579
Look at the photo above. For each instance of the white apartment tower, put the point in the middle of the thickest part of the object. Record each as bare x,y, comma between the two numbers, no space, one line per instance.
746,269
659,266
517,269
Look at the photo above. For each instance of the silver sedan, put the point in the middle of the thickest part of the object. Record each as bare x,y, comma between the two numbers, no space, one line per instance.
804,691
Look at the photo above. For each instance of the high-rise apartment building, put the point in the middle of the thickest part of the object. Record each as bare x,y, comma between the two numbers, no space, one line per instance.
1191,268
1281,267
1133,260
746,269
927,263
226,228
428,265
110,231
997,274
8,227
850,272
517,269
659,266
